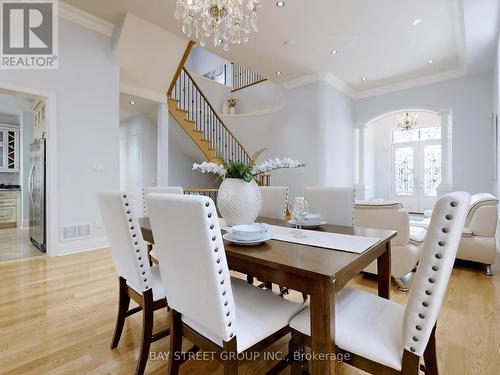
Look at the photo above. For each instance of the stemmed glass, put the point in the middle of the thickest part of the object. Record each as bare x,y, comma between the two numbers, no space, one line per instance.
299,210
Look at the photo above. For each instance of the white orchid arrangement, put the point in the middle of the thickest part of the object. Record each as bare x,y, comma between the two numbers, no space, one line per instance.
246,171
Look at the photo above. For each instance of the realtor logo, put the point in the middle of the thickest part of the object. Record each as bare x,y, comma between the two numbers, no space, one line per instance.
29,34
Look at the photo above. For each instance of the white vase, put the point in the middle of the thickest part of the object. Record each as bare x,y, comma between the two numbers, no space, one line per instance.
239,201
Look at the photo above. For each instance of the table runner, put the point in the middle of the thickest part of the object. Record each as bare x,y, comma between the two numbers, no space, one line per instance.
328,240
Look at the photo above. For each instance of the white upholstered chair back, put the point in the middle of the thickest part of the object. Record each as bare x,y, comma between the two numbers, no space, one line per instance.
274,201
336,204
434,270
391,217
158,189
128,248
193,268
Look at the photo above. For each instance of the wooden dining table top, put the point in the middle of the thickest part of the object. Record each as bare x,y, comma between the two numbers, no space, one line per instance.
303,259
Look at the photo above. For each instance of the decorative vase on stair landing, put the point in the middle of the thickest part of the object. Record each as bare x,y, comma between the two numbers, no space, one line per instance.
239,201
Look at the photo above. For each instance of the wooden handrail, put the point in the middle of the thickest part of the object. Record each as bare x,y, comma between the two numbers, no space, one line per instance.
249,85
216,114
198,190
184,58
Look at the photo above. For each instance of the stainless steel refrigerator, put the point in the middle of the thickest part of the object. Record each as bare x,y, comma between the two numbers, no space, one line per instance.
36,192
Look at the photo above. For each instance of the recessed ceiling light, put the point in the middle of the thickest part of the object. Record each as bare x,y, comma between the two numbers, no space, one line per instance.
334,51
430,61
417,21
278,73
280,4
131,102
364,79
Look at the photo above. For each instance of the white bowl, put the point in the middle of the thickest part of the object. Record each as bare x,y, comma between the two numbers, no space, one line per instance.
313,218
249,231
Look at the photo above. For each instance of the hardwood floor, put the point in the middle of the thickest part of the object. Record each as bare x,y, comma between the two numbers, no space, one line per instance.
57,317
15,244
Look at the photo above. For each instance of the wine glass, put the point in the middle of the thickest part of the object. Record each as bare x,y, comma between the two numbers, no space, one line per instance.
294,216
299,210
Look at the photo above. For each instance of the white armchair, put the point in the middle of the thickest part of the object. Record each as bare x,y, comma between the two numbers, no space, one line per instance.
478,243
390,215
334,203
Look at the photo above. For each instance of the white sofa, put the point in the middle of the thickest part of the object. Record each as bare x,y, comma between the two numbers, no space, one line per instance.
390,215
478,243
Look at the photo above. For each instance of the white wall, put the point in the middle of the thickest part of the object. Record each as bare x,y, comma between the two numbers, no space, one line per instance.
315,127
86,87
469,99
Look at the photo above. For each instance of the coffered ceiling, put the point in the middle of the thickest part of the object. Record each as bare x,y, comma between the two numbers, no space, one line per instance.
378,43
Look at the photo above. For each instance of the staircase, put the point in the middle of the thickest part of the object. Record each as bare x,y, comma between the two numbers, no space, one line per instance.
196,115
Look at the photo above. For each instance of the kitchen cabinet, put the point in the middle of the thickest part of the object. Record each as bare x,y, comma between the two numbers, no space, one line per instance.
9,209
9,148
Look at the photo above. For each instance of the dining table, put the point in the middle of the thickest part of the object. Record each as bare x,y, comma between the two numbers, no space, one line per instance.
316,271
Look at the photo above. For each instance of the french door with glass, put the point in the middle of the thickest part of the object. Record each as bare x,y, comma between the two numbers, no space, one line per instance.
416,167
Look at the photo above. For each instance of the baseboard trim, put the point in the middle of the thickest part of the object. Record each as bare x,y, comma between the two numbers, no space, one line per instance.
74,247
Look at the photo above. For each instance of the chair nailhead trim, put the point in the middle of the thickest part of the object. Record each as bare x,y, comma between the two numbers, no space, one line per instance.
222,282
220,272
415,338
441,243
425,304
216,249
231,335
224,293
130,220
431,280
228,313
225,303
207,204
214,238
449,217
140,258
428,292
453,204
229,324
435,268
438,256
421,316
137,250
419,328
445,230
209,216
212,226
218,261
141,265
412,349
124,195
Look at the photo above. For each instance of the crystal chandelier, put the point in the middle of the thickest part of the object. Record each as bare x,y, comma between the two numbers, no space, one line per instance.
226,21
407,120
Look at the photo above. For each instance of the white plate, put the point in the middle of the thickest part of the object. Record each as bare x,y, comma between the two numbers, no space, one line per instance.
309,225
236,241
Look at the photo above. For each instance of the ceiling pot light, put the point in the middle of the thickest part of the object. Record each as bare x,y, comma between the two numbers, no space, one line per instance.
416,22
131,102
430,61
278,73
334,52
280,4
364,79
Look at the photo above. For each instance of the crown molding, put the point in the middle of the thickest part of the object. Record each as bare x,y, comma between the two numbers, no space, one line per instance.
75,15
329,78
405,85
353,94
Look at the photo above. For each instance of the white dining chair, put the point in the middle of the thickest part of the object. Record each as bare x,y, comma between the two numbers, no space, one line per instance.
211,309
382,336
158,189
137,280
274,201
336,204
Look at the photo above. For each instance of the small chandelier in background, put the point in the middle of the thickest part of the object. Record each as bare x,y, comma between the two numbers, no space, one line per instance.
226,21
407,120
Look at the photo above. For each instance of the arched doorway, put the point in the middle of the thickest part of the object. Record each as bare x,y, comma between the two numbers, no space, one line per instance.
412,165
